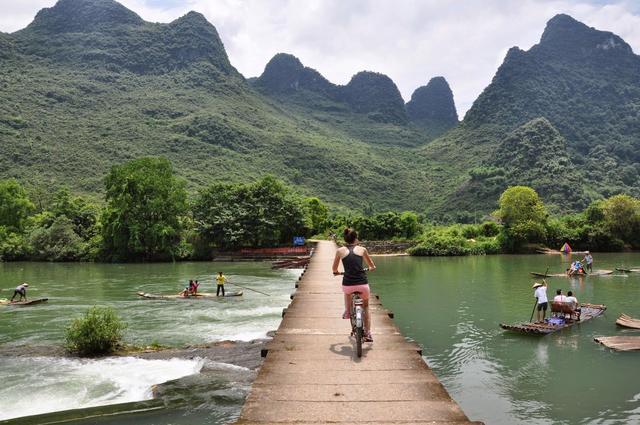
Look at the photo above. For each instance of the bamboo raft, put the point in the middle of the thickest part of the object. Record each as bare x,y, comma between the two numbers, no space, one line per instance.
550,251
620,343
627,270
199,296
593,273
24,303
554,324
291,263
628,322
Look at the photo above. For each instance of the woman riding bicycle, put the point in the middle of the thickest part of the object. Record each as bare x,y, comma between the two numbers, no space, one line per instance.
355,277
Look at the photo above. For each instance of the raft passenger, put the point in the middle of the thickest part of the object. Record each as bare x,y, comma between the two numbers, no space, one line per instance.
188,290
574,303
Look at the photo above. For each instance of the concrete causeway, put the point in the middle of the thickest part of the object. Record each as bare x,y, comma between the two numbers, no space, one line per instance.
312,375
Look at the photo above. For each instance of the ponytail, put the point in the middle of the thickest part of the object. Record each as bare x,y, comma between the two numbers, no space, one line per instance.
350,235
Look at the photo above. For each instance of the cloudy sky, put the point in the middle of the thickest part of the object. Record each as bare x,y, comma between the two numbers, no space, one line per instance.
409,40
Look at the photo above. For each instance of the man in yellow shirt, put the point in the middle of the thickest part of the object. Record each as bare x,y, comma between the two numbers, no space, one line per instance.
220,280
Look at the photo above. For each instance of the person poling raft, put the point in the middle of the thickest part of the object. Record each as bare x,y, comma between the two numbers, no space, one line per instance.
21,292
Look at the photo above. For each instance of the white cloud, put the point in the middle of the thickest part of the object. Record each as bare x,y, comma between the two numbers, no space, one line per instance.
409,40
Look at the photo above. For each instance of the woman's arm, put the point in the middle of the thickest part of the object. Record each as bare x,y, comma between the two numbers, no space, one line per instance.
336,263
368,259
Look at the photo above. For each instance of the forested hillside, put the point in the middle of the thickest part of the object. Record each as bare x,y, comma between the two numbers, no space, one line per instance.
89,84
585,85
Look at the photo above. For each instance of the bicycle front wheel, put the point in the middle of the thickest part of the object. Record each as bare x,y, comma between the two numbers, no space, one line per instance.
359,336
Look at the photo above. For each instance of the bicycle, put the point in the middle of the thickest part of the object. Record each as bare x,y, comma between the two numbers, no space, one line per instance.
356,316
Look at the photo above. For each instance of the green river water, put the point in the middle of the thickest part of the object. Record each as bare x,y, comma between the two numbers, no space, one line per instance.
451,306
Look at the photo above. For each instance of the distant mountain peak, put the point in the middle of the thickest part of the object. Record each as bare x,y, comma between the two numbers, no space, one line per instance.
377,95
286,73
83,16
432,106
564,32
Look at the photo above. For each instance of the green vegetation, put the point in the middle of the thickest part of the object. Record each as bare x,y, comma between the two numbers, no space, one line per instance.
75,103
608,225
78,99
523,217
98,332
141,221
561,117
468,239
265,213
379,226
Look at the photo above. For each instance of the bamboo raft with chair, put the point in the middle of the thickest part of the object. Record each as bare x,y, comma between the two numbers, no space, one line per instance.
620,343
628,322
593,273
555,324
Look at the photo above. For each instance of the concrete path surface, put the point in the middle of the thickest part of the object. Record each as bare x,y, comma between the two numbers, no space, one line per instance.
311,373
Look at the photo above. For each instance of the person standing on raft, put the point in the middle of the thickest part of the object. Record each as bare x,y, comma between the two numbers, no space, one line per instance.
588,260
22,291
541,299
355,277
220,280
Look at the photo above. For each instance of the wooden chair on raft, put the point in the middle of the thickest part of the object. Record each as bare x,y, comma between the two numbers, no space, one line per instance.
564,309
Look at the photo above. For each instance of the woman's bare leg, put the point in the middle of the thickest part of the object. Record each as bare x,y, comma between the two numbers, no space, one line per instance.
367,317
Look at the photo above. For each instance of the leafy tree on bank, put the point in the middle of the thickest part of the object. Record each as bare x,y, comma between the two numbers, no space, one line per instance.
523,216
622,218
380,226
141,221
15,206
264,213
317,214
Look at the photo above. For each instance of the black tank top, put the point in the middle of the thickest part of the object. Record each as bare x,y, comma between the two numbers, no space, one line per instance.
354,274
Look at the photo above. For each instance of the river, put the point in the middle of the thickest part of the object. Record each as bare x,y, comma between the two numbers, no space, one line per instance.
451,306
39,384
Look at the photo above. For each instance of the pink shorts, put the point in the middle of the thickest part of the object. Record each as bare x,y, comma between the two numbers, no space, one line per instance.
363,289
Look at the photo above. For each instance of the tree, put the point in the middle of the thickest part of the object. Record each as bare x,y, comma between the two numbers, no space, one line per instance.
409,224
15,206
144,203
317,214
264,213
523,216
622,218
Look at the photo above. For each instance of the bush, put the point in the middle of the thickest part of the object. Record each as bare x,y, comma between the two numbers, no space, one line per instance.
489,229
98,332
439,245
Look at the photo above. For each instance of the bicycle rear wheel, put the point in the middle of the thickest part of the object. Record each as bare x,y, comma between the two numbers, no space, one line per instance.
359,341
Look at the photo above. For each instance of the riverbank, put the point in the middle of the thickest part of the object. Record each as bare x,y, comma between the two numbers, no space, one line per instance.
227,370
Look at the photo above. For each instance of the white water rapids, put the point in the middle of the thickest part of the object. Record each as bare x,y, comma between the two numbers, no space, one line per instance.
48,384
